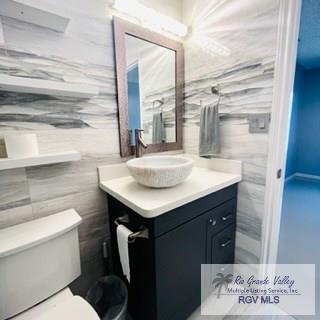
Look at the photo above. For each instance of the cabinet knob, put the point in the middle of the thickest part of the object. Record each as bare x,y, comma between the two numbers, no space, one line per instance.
227,217
225,244
212,222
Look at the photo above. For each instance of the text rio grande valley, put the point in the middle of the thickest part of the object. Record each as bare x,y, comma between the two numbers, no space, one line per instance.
263,291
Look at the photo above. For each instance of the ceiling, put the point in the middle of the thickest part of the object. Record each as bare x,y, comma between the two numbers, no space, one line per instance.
309,37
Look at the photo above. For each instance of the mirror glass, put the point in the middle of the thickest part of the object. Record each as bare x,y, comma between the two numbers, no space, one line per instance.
151,83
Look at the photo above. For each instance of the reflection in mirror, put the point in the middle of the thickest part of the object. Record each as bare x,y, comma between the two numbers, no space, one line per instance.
151,81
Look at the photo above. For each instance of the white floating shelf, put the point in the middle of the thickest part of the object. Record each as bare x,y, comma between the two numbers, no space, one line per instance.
12,163
54,88
26,11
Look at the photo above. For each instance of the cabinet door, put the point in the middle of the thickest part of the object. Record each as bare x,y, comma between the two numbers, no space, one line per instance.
179,255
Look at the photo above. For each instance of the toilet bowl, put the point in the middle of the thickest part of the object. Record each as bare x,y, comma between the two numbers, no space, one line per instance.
38,260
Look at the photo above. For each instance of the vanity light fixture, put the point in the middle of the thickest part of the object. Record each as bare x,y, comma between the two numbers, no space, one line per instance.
149,17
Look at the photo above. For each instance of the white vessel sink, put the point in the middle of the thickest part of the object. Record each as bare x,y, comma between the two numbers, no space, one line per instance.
160,171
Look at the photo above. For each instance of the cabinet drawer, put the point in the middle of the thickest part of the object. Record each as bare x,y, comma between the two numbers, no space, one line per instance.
221,217
221,247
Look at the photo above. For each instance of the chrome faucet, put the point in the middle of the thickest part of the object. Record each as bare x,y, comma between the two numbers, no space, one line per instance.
139,143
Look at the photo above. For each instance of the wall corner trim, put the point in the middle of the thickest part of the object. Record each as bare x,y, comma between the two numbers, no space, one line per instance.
287,46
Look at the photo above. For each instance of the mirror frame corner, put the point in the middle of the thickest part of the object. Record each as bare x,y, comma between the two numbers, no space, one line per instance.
121,28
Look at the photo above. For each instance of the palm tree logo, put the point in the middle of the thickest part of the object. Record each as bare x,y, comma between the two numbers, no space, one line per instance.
222,281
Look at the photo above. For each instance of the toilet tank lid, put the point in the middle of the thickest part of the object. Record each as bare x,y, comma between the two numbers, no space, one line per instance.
35,232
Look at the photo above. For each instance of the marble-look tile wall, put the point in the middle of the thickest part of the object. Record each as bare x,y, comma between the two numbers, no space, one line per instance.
248,30
84,54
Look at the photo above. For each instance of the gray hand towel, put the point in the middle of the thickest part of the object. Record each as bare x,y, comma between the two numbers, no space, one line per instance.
158,129
209,138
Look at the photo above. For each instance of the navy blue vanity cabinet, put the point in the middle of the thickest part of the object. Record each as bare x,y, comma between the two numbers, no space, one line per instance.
166,268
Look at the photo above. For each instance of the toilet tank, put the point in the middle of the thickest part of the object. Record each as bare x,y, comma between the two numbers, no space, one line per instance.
37,259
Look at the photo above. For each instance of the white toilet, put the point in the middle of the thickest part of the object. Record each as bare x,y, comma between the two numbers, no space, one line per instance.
38,260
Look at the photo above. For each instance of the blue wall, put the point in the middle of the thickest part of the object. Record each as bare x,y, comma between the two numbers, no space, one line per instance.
292,147
304,141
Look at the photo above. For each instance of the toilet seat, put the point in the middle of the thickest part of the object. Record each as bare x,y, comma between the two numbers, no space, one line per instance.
63,306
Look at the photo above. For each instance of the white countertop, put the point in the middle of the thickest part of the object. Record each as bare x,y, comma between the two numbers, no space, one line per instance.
151,203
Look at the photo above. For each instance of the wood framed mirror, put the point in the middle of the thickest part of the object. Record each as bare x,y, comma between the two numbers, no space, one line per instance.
150,81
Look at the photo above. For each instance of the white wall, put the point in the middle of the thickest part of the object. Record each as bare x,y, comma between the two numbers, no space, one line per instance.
84,53
248,29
